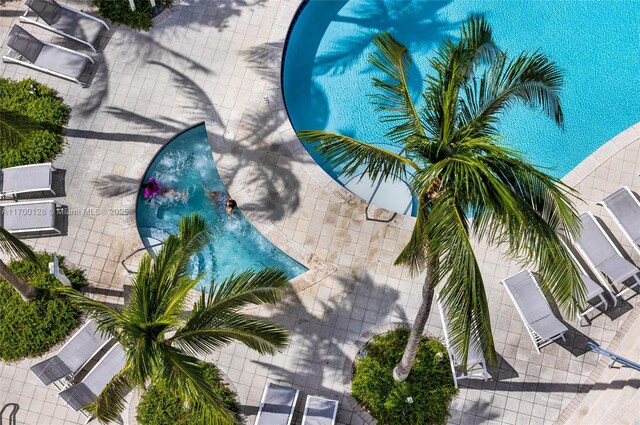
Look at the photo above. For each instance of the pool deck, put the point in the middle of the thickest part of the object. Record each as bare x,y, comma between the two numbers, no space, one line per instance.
220,62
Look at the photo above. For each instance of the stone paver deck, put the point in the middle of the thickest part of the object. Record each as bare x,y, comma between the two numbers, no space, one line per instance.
219,61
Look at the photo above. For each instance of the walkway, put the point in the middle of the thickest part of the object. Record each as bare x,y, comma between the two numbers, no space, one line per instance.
219,61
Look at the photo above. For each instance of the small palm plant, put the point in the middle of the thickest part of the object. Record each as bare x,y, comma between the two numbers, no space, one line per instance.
468,184
164,341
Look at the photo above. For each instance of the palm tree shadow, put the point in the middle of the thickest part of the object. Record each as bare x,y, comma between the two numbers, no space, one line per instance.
113,186
321,334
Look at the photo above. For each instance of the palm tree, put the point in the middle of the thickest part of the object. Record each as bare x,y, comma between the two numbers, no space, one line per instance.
467,183
13,246
162,339
15,128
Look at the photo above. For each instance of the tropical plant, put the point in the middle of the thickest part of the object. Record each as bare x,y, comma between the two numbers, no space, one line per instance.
468,184
30,329
32,117
162,339
13,246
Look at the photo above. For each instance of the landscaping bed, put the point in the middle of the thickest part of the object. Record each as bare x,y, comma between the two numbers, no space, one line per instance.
119,12
44,108
423,398
29,329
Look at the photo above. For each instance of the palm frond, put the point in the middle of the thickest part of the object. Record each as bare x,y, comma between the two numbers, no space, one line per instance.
107,318
13,246
109,404
266,286
394,99
463,288
477,36
354,156
204,333
184,375
15,128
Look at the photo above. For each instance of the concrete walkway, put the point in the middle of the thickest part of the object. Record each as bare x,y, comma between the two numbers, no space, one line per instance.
219,61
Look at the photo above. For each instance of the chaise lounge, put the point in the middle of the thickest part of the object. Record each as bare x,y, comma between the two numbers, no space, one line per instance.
66,21
48,58
624,208
277,405
474,357
26,179
39,217
603,256
320,411
86,391
534,309
73,355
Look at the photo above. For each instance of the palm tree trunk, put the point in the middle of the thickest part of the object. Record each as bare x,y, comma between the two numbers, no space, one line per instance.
401,372
26,291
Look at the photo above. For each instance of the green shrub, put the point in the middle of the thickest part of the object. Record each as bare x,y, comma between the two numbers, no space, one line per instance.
42,105
430,383
120,12
29,329
158,406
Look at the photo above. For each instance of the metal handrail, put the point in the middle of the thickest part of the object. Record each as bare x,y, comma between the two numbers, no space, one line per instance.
12,415
614,357
134,253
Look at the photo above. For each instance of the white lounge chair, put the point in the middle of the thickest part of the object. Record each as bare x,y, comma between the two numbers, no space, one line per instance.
73,355
66,21
593,289
534,309
277,405
30,217
624,208
48,58
604,258
320,411
86,391
27,179
475,356
393,194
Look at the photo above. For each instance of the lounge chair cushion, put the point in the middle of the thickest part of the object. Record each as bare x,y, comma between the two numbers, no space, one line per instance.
618,269
24,179
24,43
61,61
79,26
625,208
51,370
40,215
278,405
548,327
320,411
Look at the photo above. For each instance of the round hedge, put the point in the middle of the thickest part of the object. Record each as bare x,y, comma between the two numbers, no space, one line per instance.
42,105
29,329
120,12
158,406
429,384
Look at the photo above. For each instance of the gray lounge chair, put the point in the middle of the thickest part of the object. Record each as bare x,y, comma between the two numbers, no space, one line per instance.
27,179
624,208
66,21
593,289
86,391
320,411
277,405
73,355
534,309
604,258
30,217
48,58
475,356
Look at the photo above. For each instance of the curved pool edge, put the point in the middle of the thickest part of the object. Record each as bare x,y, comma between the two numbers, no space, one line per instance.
591,163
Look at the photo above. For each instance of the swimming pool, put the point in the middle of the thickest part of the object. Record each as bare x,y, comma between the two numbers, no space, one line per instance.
186,166
326,75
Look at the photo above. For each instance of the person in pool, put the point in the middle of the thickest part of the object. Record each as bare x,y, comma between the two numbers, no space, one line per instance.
153,189
219,198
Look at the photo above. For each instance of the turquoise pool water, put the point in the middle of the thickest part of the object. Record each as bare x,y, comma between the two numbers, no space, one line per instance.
186,166
597,43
